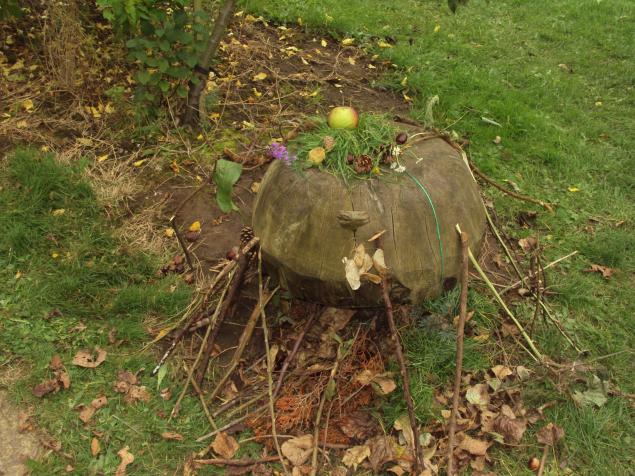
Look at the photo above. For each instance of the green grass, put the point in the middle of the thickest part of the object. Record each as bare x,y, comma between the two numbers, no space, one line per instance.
557,76
69,262
372,133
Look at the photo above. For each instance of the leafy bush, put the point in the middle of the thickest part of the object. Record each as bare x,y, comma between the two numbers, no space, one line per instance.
165,39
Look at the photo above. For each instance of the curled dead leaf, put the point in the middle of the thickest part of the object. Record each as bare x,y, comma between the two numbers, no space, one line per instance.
225,445
373,278
86,358
550,434
477,394
378,261
297,450
474,446
95,447
170,435
355,455
126,459
512,429
352,274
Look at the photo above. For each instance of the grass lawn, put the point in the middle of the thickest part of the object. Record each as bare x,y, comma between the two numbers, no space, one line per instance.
553,79
558,77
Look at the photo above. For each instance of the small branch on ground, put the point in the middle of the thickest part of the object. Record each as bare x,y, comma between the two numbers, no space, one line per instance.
235,462
385,290
547,266
186,252
177,405
543,460
524,198
227,309
459,349
270,363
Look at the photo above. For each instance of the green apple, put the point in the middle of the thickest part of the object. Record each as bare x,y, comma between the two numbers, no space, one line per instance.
343,117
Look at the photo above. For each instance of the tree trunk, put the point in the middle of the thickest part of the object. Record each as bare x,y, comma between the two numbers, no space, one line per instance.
194,94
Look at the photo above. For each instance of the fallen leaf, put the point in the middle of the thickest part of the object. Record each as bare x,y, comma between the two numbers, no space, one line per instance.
297,450
605,271
528,243
86,359
124,381
502,371
87,411
139,163
95,447
323,43
25,422
352,273
137,393
523,372
126,459
512,429
403,424
170,435
373,278
50,443
355,456
27,104
378,261
474,446
573,189
166,393
477,394
46,387
594,395
58,212
358,425
225,445
195,226
56,363
260,76
336,318
347,41
381,451
549,434
383,44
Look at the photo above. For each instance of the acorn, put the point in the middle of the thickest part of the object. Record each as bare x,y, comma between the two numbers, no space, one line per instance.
533,464
401,138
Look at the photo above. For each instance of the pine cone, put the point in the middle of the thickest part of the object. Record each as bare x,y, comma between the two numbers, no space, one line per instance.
246,235
328,142
363,164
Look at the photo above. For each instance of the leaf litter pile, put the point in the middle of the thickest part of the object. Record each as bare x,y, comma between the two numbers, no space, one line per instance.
324,377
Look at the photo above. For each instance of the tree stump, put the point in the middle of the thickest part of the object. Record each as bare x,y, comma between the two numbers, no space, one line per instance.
307,222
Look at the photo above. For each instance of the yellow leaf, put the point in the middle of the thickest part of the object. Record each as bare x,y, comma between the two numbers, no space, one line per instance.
101,158
139,163
27,104
168,232
383,44
260,76
370,66
351,60
196,226
175,167
200,137
437,28
256,92
57,212
239,13
573,189
18,275
347,41
323,43
406,97
404,81
214,116
299,21
250,19
109,109
21,124
598,103
55,255
44,148
304,62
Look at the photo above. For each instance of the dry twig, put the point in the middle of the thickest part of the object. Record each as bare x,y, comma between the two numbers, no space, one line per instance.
403,367
459,349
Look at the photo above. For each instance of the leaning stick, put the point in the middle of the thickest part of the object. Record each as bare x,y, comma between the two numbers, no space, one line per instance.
177,406
535,353
227,308
193,322
465,276
524,198
244,340
403,367
188,258
270,363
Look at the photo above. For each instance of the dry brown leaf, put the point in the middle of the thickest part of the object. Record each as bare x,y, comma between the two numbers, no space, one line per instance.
512,429
225,445
605,271
376,235
358,425
474,446
137,393
126,459
549,434
86,359
352,274
384,383
355,455
170,435
373,278
477,394
297,450
63,378
95,447
398,470
336,318
86,412
56,363
379,262
166,393
25,422
403,424
381,451
501,371
124,380
528,243
99,402
46,387
358,257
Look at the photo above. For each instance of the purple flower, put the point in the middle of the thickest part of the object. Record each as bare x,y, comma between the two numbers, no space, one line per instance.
279,151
